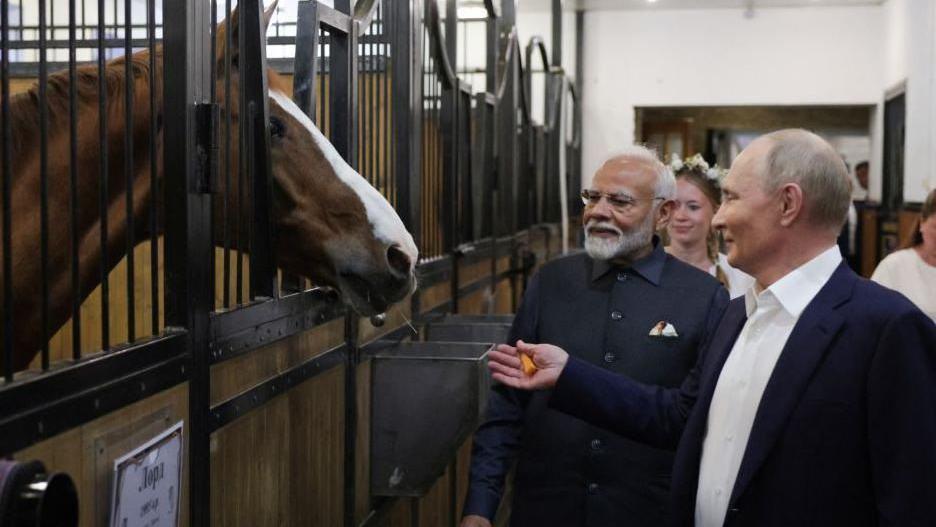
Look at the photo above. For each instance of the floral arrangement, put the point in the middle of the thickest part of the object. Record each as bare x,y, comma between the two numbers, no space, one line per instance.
698,164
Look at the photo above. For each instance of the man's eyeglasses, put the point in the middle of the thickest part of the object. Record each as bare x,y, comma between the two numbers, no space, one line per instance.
619,201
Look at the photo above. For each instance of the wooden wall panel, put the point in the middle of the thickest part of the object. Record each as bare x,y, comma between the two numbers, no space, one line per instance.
232,377
434,296
87,453
434,506
362,445
281,463
316,482
908,226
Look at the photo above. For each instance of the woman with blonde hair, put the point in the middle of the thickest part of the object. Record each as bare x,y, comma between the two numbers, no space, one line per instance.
912,270
690,234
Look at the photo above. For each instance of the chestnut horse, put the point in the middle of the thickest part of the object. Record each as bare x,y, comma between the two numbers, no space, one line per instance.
330,225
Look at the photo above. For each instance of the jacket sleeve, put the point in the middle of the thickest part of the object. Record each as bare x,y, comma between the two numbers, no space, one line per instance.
902,421
497,440
650,414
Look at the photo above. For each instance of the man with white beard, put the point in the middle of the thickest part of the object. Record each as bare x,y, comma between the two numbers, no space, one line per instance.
626,306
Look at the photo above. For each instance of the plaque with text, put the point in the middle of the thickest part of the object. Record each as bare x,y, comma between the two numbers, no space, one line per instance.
147,483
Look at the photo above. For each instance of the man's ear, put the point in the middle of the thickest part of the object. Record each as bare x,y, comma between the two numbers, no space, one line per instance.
792,204
664,214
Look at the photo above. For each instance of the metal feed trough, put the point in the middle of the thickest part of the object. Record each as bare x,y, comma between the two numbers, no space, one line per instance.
488,329
427,398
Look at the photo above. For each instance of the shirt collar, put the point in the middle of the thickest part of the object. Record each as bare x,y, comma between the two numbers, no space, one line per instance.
798,287
650,267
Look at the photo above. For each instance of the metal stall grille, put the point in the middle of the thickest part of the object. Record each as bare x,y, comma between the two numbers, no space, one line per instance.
95,290
82,214
375,117
173,226
432,237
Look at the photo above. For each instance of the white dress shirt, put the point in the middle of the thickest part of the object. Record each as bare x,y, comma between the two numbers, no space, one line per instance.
771,315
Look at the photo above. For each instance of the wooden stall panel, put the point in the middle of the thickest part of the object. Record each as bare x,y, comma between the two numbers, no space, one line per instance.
87,453
317,448
234,376
433,508
362,495
281,463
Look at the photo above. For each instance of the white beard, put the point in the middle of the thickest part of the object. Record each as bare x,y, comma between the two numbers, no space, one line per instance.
624,245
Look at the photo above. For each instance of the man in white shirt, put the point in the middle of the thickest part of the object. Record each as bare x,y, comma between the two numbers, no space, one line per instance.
814,402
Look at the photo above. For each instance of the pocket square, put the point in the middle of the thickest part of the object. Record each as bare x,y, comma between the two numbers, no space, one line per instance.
663,329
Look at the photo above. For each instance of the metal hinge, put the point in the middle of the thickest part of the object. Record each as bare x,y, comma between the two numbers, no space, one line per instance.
206,147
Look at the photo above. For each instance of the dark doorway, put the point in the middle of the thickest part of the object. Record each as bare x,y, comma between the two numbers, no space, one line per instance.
893,162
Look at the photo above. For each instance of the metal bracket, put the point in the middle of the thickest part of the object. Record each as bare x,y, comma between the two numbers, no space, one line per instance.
207,117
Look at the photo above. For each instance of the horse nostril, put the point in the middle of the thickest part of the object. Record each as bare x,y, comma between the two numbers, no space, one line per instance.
399,261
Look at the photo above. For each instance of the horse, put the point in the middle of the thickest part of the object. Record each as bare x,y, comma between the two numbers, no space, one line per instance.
330,225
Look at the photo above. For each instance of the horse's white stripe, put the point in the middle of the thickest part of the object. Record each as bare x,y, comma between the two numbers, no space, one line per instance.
387,225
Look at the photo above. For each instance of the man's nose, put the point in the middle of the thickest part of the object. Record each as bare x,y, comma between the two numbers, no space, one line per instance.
718,221
602,209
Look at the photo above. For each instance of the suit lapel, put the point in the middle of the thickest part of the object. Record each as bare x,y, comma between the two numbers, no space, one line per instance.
804,350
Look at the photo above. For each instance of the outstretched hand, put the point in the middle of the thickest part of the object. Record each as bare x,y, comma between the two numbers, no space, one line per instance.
505,366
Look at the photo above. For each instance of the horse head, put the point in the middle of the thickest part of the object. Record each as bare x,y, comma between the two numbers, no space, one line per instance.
330,225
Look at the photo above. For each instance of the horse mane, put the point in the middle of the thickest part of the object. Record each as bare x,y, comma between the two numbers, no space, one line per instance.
24,107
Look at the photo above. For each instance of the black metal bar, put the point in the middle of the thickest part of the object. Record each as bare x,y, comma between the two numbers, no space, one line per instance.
386,105
154,189
250,327
226,170
231,409
406,108
307,33
73,183
129,168
188,229
251,68
103,181
43,185
6,152
48,404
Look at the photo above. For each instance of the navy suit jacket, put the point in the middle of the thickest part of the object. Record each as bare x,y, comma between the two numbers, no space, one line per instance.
845,433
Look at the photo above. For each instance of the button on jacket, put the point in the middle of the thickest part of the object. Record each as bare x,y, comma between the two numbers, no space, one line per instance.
569,473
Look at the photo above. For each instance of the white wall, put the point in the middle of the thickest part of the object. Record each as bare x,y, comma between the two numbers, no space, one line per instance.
699,57
908,27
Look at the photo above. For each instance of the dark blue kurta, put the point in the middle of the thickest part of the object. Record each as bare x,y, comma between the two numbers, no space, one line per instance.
570,473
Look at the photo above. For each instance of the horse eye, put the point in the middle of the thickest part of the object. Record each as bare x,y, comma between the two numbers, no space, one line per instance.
277,128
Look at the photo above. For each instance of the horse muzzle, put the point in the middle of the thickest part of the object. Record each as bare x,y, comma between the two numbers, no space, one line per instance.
370,291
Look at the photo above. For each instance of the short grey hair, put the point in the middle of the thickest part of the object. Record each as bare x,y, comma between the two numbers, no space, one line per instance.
665,180
802,157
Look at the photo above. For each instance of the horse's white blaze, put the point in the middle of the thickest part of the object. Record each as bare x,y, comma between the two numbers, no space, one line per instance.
387,225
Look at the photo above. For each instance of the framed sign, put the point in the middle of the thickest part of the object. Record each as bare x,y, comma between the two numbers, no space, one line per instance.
147,482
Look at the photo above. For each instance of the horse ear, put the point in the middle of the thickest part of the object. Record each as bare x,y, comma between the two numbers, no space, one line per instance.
230,26
268,15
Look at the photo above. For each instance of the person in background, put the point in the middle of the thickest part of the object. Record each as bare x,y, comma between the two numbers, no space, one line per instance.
691,236
623,306
850,237
912,271
860,193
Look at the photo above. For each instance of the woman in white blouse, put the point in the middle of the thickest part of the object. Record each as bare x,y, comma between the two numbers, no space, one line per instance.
690,233
912,271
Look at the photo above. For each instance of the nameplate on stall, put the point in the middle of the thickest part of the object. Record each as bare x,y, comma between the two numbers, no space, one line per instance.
147,483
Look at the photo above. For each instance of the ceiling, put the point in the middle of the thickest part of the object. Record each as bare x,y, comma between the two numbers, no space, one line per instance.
545,5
